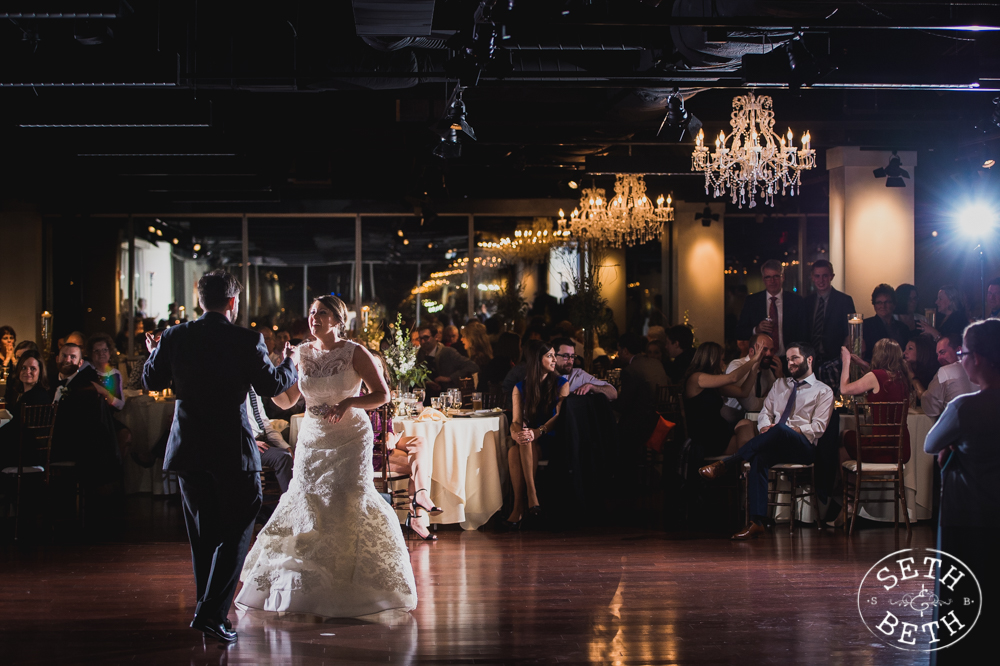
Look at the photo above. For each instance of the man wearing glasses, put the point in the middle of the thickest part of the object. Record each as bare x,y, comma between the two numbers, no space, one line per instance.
779,313
580,381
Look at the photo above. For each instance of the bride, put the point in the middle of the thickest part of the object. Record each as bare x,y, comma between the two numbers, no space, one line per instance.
333,546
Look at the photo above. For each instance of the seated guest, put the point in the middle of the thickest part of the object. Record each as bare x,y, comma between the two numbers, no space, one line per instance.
826,313
993,298
775,311
412,456
74,338
640,376
450,337
476,345
951,315
882,325
921,362
655,350
537,401
965,441
885,382
32,390
8,340
907,303
100,351
13,382
274,450
770,369
705,387
951,379
680,349
796,413
506,352
580,381
73,373
273,352
447,367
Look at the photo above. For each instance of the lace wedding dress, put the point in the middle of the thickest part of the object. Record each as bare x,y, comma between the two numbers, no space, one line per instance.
333,546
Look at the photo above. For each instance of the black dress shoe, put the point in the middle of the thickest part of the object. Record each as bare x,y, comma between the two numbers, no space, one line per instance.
215,629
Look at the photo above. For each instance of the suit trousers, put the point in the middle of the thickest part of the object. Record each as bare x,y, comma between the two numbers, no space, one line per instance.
219,512
280,460
778,445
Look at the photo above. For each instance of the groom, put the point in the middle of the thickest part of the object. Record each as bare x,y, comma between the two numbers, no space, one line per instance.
213,364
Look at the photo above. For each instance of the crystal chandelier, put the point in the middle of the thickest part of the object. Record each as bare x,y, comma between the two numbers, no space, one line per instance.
530,244
628,218
752,157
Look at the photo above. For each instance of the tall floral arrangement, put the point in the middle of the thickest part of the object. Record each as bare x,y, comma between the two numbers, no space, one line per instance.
401,356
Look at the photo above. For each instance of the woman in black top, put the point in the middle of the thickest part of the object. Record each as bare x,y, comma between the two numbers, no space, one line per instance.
34,391
951,314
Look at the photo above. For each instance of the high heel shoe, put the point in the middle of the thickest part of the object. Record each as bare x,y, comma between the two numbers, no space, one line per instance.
431,511
535,511
430,535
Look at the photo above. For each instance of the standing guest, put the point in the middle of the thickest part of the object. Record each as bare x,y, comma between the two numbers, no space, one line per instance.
993,298
447,367
8,340
706,386
580,381
951,315
450,337
921,362
796,413
33,390
965,441
907,304
537,402
826,313
270,341
887,381
680,349
212,363
882,325
774,311
100,351
951,379
476,345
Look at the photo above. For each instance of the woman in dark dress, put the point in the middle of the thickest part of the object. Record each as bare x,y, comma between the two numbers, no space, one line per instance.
30,372
886,382
537,401
921,363
951,314
706,386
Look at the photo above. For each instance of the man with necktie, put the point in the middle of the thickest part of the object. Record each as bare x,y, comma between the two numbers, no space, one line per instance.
795,414
774,311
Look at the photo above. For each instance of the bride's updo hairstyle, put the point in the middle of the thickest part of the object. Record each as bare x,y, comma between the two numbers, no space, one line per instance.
337,307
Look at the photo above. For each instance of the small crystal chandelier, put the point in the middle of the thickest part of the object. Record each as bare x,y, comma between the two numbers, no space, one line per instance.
628,218
756,158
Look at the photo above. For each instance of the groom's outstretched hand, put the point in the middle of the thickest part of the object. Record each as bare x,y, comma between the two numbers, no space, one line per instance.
152,339
289,350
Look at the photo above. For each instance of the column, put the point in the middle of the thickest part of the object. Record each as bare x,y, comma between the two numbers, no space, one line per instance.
21,271
699,262
871,225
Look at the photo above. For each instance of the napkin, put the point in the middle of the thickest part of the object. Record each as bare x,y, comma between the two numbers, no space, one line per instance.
430,414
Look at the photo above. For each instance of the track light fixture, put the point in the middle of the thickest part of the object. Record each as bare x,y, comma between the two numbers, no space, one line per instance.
892,172
453,128
679,118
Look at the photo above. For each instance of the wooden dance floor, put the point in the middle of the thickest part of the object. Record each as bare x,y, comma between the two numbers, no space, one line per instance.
609,597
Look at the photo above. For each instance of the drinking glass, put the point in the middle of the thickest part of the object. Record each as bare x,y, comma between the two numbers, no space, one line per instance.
436,403
419,394
457,398
477,401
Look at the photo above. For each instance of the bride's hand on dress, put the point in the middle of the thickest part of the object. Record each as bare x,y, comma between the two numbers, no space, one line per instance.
337,411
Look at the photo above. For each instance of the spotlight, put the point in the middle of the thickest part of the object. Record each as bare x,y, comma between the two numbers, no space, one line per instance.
678,118
452,128
977,220
892,172
989,164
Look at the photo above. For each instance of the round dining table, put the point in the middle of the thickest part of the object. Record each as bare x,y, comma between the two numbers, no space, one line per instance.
148,418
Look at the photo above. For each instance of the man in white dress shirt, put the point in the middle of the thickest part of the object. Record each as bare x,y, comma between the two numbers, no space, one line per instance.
580,381
796,413
770,370
951,379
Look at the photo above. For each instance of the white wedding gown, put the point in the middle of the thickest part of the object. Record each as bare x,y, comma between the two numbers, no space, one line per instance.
333,546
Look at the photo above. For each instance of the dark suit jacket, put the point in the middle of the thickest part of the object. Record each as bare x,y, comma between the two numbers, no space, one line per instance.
838,306
639,380
212,364
792,316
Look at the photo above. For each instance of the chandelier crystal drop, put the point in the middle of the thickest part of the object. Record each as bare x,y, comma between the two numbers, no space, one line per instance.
752,158
627,219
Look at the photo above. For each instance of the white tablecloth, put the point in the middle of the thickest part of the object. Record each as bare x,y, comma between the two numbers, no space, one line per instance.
465,472
918,474
148,419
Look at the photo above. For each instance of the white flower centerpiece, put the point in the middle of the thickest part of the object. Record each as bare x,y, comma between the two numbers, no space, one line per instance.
401,356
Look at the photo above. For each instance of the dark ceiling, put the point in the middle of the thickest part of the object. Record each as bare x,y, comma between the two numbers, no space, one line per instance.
190,106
